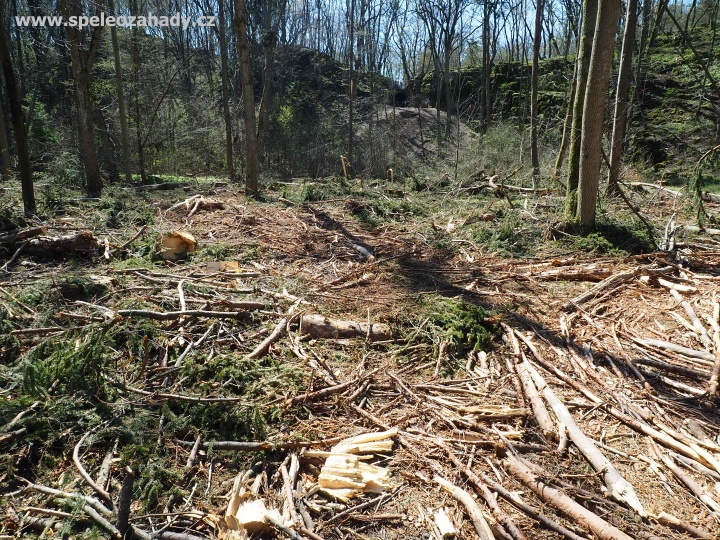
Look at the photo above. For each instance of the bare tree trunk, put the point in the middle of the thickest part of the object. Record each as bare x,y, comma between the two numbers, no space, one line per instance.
487,93
18,120
4,146
351,110
135,53
620,118
225,92
107,145
270,41
567,126
537,39
82,56
587,31
448,92
124,135
594,110
642,50
251,142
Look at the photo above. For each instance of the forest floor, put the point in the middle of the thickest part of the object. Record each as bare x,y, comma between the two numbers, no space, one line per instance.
145,396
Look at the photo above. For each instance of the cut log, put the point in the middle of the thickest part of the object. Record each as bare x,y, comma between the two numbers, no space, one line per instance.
162,187
592,273
318,327
21,234
558,499
82,243
607,284
176,244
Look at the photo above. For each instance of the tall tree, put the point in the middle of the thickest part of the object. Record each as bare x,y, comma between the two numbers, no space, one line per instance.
353,82
537,40
585,47
4,145
567,126
271,23
83,50
594,110
487,41
124,134
246,80
135,79
442,20
225,91
18,118
620,117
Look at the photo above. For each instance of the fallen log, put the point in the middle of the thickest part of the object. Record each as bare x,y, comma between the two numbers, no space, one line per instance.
318,327
674,523
22,234
83,243
164,186
619,488
592,273
686,351
172,315
558,499
609,283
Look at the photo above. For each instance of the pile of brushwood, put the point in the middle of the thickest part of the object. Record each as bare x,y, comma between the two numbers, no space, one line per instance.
353,369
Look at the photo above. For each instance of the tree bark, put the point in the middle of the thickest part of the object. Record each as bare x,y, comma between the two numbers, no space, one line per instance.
18,119
107,145
82,56
620,117
251,142
124,134
567,126
537,40
135,54
225,92
4,145
351,109
594,110
587,31
487,92
270,42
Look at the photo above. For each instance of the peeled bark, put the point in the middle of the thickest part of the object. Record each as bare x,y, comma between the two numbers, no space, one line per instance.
318,326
